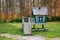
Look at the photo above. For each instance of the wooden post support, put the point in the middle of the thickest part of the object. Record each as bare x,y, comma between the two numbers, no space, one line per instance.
43,26
34,26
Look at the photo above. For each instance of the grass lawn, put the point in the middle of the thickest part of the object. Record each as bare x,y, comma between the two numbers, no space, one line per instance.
4,38
11,28
53,29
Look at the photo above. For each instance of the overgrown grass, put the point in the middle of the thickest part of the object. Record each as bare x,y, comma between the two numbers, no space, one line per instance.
4,38
11,28
52,29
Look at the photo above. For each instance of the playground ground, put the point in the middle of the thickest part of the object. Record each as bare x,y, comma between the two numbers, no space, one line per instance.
52,30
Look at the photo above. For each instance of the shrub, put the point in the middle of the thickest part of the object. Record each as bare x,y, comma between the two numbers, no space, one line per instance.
16,20
2,21
56,18
47,19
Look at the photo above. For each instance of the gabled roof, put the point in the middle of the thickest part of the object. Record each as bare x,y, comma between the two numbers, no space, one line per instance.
41,11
